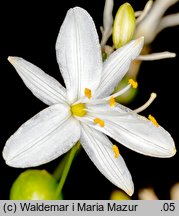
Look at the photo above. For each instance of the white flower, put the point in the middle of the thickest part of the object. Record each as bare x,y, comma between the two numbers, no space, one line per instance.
83,111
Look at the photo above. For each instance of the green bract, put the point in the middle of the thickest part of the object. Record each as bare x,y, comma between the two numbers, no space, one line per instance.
34,185
124,25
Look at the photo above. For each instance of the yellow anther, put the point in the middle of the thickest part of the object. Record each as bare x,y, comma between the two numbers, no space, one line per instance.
112,101
88,93
133,83
78,109
99,121
116,151
153,120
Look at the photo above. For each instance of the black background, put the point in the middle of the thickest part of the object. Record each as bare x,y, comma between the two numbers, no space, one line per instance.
29,30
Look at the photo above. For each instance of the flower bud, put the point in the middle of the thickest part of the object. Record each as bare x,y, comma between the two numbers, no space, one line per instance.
147,194
124,25
174,192
119,195
34,185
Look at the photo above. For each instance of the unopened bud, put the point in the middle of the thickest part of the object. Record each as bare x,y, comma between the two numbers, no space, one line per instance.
124,25
34,185
119,195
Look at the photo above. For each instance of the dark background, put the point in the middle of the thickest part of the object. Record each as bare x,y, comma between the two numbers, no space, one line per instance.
29,30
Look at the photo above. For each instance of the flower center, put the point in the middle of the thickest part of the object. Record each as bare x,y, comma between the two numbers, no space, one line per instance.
78,109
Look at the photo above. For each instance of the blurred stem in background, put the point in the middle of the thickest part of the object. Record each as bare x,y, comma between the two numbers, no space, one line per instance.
149,193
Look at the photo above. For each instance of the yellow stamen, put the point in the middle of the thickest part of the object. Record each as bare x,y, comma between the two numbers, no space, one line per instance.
112,101
153,120
99,121
88,93
133,83
116,151
78,109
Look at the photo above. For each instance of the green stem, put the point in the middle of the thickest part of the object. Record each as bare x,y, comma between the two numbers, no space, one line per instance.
59,169
67,166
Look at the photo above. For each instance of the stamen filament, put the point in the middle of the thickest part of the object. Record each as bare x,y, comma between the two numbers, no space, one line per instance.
143,107
138,110
122,91
132,83
156,56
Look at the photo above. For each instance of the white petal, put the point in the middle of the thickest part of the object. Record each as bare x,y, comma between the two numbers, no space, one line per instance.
78,53
43,138
99,149
43,86
116,66
132,130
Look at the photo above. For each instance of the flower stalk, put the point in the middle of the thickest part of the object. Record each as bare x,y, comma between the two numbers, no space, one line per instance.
63,175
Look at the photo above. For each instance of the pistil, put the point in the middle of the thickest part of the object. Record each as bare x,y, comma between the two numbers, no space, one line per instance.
78,109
